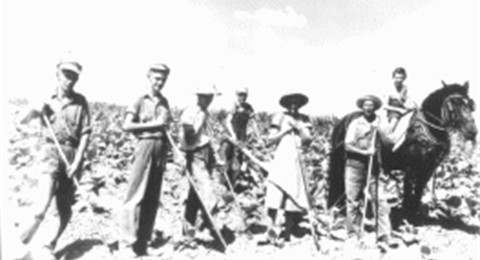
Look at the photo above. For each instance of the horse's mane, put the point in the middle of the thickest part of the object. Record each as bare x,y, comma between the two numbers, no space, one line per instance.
337,158
434,101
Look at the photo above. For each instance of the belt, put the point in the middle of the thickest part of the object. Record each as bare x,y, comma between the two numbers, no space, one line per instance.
155,136
357,157
71,143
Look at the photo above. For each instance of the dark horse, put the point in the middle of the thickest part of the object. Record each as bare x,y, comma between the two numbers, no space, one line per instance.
445,111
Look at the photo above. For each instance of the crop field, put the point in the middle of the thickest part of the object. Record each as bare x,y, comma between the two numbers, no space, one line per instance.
450,205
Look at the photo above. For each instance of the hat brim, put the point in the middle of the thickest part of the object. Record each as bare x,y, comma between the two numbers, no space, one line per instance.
377,102
160,68
298,98
70,67
204,94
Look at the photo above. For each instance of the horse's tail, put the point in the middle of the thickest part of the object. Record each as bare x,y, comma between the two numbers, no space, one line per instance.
336,169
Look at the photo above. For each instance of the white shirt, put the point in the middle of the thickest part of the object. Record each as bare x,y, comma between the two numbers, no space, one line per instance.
190,140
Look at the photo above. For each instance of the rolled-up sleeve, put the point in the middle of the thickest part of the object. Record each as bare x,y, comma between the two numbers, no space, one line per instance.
134,109
85,120
164,113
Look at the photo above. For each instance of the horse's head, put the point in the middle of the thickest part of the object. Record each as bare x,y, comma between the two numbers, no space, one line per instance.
457,110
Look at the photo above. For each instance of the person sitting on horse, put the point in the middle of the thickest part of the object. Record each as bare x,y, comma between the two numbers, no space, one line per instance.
399,107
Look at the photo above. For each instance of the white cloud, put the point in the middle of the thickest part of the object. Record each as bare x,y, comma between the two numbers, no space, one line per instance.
287,17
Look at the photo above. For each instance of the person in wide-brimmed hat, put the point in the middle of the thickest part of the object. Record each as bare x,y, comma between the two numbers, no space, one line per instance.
286,190
360,151
298,99
376,101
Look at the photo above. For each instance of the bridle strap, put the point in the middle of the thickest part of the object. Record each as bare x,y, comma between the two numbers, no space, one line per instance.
445,112
424,120
444,118
425,131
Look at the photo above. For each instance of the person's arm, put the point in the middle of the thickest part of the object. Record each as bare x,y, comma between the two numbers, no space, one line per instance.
33,111
77,161
85,125
228,123
350,142
132,125
387,106
275,134
199,121
395,109
278,130
302,128
410,104
193,120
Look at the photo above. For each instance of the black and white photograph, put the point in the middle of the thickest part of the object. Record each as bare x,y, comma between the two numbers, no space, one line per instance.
222,129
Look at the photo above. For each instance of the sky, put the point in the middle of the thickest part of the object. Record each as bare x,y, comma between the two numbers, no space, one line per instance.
332,50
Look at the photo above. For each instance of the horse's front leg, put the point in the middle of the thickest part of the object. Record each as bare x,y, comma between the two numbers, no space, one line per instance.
415,183
409,187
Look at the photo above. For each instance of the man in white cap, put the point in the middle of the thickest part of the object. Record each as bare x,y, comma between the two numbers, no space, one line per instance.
200,160
359,148
148,119
68,118
286,189
236,124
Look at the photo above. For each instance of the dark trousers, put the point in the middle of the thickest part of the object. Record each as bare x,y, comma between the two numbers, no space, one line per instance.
233,160
53,181
143,192
200,163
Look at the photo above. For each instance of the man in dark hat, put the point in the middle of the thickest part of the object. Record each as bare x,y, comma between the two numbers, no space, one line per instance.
286,189
68,118
147,118
359,147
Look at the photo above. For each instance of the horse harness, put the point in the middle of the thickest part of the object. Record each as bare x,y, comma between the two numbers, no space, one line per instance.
420,125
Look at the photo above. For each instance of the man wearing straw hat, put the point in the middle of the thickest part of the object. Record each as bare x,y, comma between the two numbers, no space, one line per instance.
66,118
200,162
286,188
360,159
147,118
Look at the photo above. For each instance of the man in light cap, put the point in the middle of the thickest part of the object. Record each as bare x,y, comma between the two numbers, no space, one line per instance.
68,118
359,148
236,124
200,161
148,119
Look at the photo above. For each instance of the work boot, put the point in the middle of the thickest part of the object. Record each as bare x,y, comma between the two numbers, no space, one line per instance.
272,237
140,248
385,243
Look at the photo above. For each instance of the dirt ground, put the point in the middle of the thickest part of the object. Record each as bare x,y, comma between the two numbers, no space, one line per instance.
93,232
